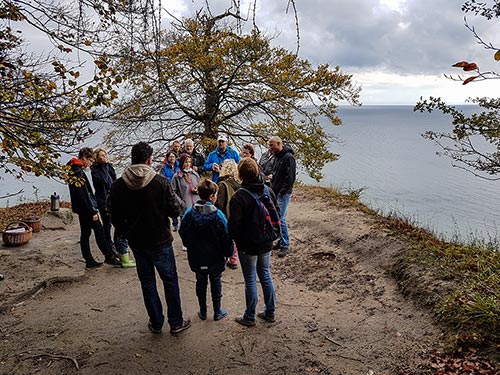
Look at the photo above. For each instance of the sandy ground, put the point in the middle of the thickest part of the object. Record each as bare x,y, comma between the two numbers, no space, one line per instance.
339,311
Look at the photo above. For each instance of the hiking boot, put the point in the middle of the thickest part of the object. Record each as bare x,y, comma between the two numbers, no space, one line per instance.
112,261
267,318
202,315
232,266
156,331
283,252
178,329
277,246
245,322
174,229
93,264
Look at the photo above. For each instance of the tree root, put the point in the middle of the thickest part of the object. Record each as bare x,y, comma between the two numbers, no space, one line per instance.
73,360
38,288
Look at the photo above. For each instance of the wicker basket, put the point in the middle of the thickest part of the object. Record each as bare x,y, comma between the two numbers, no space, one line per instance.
11,237
34,222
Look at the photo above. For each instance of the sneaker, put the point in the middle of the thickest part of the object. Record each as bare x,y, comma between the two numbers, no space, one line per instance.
232,266
220,315
283,252
245,322
267,318
277,246
174,229
113,261
178,329
153,329
93,264
184,248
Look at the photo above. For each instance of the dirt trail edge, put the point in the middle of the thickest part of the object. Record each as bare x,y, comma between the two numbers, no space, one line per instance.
339,311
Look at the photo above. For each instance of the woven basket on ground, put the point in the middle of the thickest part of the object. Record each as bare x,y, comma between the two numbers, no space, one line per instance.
17,233
34,222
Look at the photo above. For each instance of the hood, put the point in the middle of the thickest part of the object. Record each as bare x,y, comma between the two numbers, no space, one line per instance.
76,162
255,186
138,176
286,150
202,213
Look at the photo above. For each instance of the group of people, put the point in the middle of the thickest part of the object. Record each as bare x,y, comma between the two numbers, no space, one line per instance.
217,199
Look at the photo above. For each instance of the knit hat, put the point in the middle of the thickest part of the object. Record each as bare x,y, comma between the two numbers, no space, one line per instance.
182,159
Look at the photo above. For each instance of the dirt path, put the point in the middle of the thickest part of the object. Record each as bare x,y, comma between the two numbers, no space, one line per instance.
338,310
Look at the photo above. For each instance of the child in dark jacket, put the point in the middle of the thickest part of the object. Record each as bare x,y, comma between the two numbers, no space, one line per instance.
204,232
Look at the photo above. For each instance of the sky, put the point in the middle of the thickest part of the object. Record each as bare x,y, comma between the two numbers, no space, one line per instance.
396,50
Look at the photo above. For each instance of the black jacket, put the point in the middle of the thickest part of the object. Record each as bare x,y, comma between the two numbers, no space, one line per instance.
284,171
141,203
83,201
243,208
103,176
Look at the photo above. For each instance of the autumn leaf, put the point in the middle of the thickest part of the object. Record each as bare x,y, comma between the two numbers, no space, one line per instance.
469,67
497,55
460,64
470,79
88,43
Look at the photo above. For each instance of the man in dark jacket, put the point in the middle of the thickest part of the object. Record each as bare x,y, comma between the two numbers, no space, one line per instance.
141,203
84,203
197,159
282,181
103,176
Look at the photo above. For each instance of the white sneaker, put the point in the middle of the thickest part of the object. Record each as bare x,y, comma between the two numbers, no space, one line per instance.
184,248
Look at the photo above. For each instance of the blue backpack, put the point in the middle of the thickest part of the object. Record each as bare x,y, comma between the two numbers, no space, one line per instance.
268,225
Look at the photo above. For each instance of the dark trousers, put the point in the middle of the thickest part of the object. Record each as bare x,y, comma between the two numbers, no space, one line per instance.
163,261
202,284
106,224
86,227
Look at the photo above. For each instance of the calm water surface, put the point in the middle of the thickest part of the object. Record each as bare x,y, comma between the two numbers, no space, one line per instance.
384,153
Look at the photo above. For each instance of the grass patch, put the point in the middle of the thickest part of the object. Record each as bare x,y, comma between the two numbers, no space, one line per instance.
459,281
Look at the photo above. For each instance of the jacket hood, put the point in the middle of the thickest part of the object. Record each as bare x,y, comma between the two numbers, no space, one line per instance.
286,150
138,176
202,213
75,161
255,186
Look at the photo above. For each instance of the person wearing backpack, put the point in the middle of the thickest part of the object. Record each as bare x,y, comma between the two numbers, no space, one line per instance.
254,225
228,183
204,232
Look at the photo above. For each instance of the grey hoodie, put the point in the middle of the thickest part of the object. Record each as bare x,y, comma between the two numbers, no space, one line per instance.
138,176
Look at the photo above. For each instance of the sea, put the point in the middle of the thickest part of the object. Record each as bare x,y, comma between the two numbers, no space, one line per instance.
383,156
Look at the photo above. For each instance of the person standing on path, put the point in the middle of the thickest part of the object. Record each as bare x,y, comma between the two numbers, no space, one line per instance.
103,176
217,156
282,181
197,159
204,232
142,202
169,169
84,204
254,255
228,184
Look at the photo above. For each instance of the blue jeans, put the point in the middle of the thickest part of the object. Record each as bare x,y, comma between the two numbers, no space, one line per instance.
251,266
283,200
164,262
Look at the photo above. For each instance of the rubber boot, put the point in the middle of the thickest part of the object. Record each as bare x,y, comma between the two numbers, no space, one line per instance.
219,313
126,262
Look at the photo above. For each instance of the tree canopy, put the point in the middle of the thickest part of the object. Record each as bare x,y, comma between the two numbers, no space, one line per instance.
204,76
46,106
474,142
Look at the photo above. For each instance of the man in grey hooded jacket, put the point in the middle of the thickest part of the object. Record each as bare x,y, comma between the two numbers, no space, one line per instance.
141,203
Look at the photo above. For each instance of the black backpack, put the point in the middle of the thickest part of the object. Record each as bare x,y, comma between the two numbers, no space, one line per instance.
268,225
